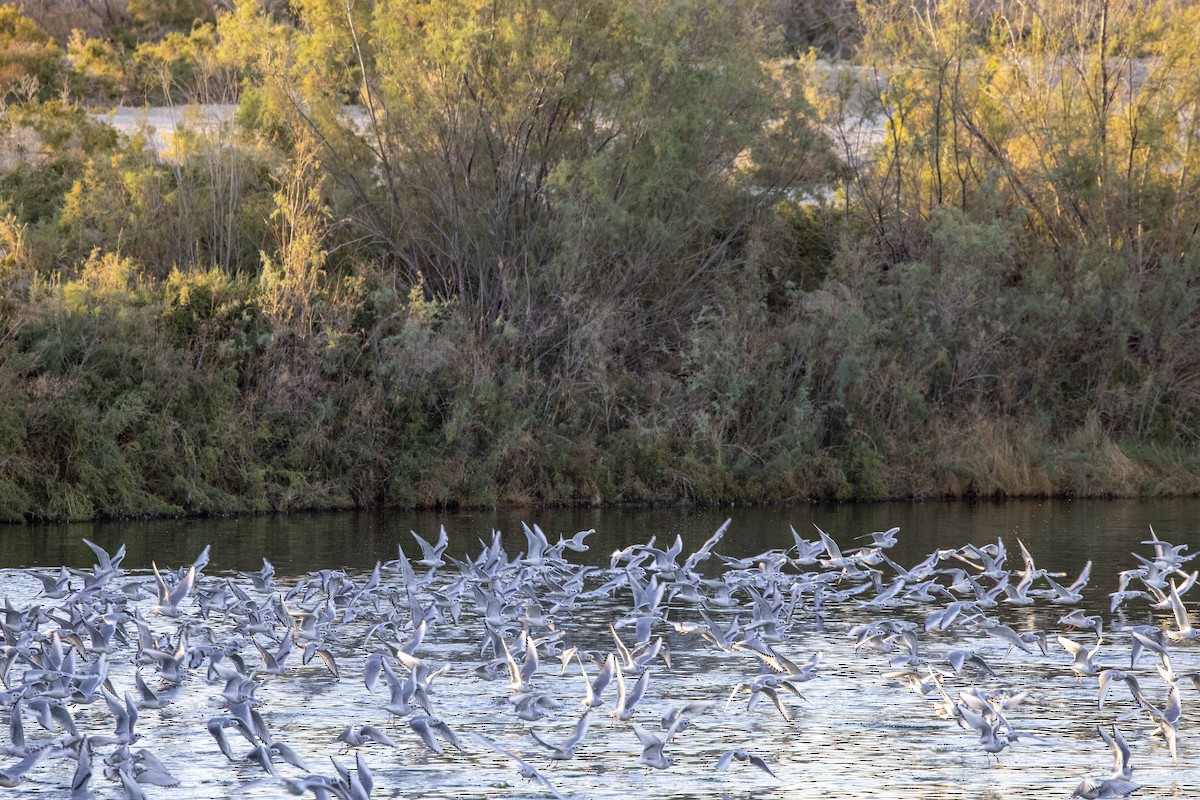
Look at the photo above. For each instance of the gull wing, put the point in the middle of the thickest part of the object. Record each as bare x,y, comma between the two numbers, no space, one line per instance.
581,729
725,760
1177,608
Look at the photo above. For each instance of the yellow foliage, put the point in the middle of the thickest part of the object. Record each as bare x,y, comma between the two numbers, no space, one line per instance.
107,280
14,246
291,283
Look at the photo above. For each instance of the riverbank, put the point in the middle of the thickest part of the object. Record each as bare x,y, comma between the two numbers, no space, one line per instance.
626,267
127,399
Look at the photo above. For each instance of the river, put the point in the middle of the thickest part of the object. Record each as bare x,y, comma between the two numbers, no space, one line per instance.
1068,532
855,733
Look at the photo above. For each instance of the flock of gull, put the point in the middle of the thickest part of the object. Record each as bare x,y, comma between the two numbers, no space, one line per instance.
561,654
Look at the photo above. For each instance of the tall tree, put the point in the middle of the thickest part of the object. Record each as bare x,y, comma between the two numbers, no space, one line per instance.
515,153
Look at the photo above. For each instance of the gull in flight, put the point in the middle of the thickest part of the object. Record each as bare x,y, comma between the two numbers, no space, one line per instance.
566,750
1083,665
1119,783
742,755
527,770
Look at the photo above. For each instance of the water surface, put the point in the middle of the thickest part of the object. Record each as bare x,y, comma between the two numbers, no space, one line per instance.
856,734
1064,532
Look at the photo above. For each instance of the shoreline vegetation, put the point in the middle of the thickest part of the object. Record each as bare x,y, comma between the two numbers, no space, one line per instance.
613,252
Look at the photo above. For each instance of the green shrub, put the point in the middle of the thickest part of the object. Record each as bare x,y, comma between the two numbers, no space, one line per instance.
31,64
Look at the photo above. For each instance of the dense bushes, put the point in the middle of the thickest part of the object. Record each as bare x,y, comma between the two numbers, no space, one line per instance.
593,259
31,65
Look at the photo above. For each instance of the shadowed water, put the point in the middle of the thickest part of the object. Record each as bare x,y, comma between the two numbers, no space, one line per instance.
855,733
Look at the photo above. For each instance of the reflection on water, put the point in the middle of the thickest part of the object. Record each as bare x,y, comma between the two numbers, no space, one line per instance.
1063,532
855,734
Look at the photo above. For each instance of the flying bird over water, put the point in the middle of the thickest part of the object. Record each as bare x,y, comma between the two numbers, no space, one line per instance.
474,641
